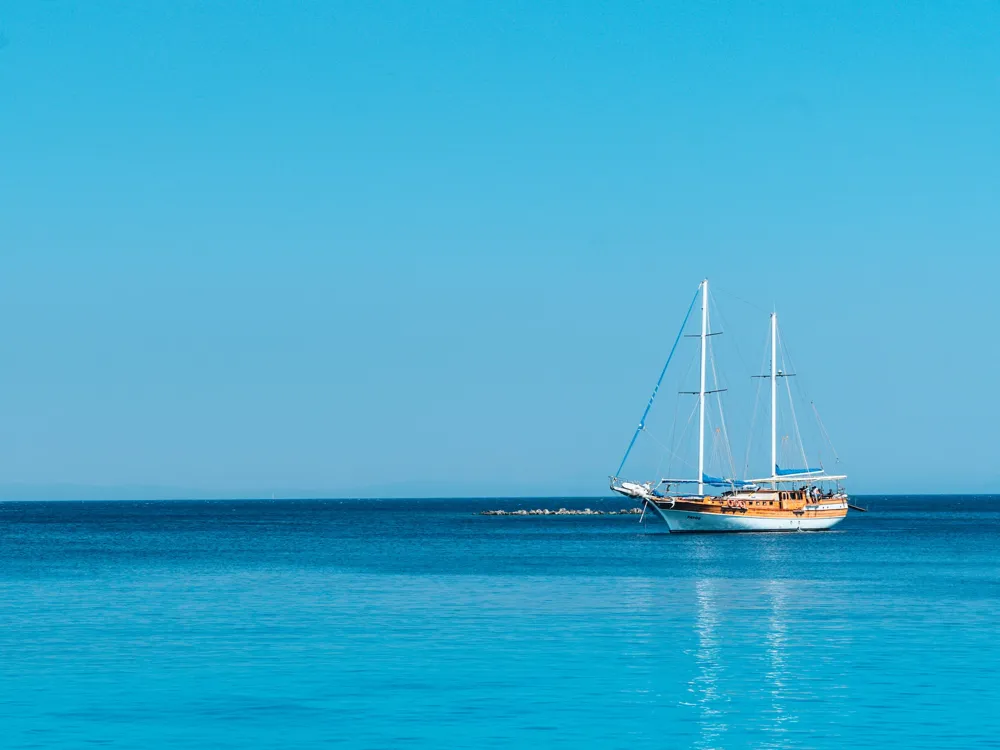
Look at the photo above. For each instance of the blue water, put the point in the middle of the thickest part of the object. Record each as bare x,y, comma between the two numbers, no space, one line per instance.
376,624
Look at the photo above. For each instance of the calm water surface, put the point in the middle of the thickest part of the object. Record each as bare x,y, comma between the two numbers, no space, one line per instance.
374,624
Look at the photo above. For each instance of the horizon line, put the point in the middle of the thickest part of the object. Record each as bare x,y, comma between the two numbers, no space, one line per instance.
377,498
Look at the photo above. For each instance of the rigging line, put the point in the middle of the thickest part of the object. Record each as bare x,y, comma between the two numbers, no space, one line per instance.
722,421
822,429
665,454
791,407
753,423
695,357
668,450
725,428
745,302
673,454
659,464
718,457
800,385
684,432
659,380
725,326
756,402
673,431
795,422
725,435
712,455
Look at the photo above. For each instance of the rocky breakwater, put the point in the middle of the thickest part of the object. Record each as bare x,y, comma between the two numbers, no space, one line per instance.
563,512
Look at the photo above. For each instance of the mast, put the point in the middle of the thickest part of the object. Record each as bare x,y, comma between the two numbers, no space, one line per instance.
701,392
774,397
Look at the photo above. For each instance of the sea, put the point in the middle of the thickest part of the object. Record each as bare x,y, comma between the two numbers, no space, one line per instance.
423,624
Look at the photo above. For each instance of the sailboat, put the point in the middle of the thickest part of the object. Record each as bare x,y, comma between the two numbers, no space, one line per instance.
799,499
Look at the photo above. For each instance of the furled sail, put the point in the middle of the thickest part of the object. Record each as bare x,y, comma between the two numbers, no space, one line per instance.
719,481
779,472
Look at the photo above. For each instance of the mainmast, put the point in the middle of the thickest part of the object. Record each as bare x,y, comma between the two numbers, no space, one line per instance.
701,392
774,397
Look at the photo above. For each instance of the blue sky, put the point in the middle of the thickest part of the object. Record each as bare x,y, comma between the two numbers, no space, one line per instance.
403,248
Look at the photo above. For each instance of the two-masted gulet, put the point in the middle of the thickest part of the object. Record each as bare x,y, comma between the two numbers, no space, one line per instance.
806,499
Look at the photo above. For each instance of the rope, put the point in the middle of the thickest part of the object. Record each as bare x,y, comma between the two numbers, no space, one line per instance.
791,402
722,420
673,431
659,380
745,302
795,424
753,419
725,325
668,450
822,428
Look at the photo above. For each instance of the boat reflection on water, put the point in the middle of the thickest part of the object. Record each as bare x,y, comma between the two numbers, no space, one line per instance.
705,685
760,654
745,676
776,678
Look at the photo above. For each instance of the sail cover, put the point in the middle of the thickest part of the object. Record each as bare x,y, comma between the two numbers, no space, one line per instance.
706,479
779,472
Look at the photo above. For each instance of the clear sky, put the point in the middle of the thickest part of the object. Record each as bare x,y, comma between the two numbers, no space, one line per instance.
364,248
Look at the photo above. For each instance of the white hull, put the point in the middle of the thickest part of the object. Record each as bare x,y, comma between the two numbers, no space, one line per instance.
682,520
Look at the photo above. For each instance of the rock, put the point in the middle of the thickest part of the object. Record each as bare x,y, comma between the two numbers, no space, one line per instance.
561,512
